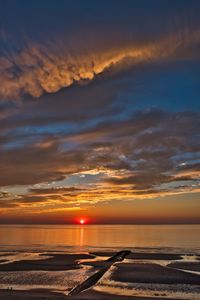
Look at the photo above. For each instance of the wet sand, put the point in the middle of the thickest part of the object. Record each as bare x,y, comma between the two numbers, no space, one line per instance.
87,295
152,273
2,260
135,256
124,272
141,255
7,254
191,266
57,262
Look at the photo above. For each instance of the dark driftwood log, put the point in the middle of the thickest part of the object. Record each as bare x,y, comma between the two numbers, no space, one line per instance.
92,280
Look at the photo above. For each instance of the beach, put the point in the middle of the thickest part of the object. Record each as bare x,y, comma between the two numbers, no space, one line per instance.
37,295
54,275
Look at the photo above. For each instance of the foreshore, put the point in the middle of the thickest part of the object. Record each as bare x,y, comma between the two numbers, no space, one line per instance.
87,295
142,268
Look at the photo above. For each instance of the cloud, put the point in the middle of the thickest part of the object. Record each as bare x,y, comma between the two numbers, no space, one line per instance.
150,153
32,165
49,191
38,68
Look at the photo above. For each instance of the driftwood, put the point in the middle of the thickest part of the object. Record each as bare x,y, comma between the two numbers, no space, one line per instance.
92,280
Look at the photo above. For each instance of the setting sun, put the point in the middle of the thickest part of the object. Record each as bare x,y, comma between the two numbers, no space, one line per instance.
82,221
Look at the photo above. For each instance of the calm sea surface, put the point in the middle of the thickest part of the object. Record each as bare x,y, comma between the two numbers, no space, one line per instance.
85,237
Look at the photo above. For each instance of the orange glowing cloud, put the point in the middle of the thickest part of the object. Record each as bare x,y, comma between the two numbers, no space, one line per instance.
38,69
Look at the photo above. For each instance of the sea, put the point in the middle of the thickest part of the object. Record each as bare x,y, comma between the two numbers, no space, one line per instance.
87,237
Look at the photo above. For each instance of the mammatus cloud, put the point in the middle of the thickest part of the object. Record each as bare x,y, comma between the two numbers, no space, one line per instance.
39,68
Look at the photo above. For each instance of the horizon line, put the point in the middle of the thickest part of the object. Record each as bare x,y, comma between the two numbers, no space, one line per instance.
95,223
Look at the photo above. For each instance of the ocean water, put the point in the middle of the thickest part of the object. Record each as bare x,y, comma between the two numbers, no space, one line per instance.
85,237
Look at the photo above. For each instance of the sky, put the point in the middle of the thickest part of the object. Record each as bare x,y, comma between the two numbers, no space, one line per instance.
100,111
